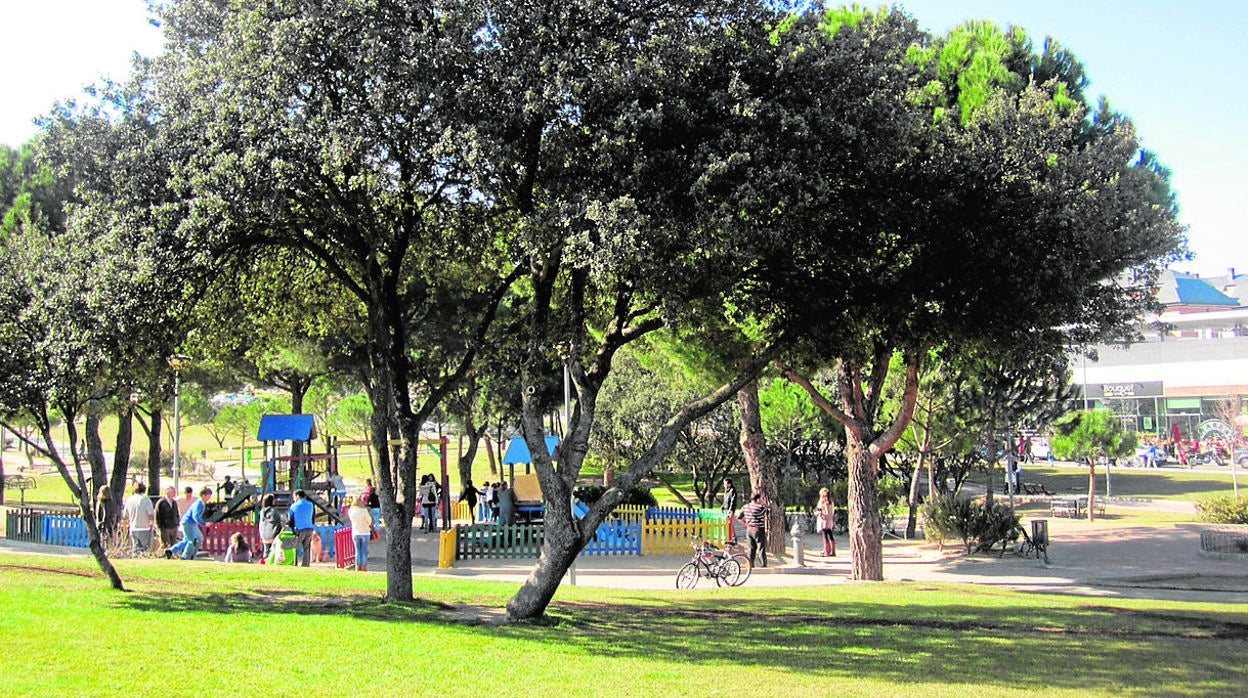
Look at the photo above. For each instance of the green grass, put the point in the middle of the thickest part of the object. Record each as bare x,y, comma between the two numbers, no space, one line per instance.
1152,483
210,629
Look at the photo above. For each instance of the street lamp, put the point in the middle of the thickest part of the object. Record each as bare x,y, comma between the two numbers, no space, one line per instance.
177,362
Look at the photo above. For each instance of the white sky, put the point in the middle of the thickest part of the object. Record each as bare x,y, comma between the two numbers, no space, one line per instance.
1177,68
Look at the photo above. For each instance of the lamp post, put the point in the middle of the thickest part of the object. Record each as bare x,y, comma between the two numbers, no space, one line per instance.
177,362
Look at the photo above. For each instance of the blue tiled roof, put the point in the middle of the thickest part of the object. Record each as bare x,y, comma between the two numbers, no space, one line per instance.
1200,292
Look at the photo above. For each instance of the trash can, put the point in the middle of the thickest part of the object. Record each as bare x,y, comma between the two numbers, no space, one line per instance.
1040,532
1040,539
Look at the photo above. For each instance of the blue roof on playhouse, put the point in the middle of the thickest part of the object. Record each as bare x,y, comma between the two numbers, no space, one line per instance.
287,427
518,450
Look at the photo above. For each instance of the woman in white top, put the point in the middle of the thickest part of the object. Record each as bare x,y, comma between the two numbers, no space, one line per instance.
361,530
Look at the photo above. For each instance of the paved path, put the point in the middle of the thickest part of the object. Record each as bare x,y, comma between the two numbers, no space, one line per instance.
1093,559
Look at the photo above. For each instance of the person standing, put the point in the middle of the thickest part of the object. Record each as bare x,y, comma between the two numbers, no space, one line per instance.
469,497
369,499
227,488
192,537
825,521
429,502
167,516
141,515
361,531
271,522
506,504
730,508
487,502
104,502
301,514
755,514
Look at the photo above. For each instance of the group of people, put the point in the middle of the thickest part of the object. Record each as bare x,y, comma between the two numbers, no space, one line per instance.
496,502
166,516
756,516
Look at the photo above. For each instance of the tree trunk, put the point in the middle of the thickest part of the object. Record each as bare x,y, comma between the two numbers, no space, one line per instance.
866,532
762,479
466,458
95,449
912,518
1091,488
559,550
121,448
154,452
96,546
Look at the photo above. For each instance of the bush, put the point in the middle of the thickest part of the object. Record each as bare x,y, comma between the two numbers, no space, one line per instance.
978,527
1223,510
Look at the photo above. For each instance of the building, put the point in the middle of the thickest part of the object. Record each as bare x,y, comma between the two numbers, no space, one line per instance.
1189,378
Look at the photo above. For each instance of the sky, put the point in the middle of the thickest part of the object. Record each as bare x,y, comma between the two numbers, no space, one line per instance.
1176,68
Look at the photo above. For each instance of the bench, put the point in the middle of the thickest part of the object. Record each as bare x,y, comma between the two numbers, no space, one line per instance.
1036,488
1065,506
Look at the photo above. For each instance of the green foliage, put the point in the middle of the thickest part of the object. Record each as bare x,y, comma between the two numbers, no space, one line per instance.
1091,434
637,496
1223,510
976,525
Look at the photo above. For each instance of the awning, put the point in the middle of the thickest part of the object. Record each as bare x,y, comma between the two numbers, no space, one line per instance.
518,450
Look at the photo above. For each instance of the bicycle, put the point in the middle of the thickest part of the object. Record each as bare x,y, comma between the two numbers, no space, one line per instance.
727,569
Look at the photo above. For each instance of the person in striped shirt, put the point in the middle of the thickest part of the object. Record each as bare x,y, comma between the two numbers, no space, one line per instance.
755,515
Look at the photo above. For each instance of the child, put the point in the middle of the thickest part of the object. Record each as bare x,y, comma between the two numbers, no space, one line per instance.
239,550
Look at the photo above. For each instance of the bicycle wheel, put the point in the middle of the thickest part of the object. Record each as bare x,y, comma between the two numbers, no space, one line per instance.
743,563
687,577
728,572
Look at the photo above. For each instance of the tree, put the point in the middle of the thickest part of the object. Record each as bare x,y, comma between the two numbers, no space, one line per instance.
336,130
1021,223
1089,435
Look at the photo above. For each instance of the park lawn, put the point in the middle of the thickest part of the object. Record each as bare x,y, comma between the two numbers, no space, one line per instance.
1141,483
208,629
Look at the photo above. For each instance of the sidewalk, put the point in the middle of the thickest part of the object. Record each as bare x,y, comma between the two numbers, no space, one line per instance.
1087,559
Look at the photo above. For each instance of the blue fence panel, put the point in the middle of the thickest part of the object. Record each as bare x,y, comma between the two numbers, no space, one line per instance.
65,530
616,538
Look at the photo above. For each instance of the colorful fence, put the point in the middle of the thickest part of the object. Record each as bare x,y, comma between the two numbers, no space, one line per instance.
69,531
344,546
491,541
217,536
629,531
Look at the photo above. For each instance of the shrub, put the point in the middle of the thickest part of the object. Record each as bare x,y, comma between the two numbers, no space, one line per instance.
979,527
1223,510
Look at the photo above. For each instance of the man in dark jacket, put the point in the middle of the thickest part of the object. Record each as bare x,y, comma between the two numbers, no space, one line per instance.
167,516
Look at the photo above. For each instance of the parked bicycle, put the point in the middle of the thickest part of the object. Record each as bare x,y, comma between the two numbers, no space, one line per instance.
725,567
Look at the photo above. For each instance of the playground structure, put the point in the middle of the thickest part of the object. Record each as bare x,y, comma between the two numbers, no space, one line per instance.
281,474
530,507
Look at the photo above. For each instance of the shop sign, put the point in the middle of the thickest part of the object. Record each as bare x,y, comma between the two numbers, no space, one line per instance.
1126,390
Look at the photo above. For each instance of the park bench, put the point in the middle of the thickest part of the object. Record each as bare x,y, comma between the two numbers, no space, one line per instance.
1036,488
1064,506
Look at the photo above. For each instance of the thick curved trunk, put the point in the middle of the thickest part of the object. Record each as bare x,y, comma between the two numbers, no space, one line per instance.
866,533
559,550
762,479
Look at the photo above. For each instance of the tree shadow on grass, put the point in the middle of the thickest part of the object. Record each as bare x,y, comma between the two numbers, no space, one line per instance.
1089,649
276,601
1007,643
